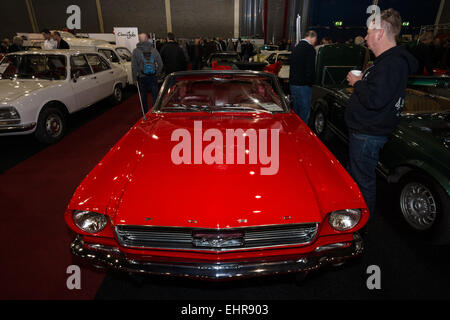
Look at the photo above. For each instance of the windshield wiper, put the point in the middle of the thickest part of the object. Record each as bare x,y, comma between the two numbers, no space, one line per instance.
183,107
239,107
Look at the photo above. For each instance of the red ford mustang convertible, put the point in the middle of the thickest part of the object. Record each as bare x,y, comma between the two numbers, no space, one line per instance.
220,180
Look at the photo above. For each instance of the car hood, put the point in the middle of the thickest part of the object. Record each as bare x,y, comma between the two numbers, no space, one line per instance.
155,191
434,126
11,90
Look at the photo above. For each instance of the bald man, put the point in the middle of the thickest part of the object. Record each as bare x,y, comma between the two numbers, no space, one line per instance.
373,110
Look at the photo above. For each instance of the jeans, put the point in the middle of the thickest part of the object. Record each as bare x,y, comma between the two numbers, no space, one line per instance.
301,99
146,84
364,151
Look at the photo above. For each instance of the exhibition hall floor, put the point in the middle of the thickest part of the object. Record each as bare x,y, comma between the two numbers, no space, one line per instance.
36,182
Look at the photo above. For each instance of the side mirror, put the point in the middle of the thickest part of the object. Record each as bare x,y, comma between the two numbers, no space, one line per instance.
288,100
76,75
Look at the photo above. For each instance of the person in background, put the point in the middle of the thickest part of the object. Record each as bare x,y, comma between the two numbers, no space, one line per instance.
61,43
373,110
49,43
230,45
302,74
223,44
327,40
438,51
210,48
239,47
197,54
289,45
173,56
146,64
4,47
217,44
248,50
17,45
159,44
424,53
185,47
282,44
150,40
359,41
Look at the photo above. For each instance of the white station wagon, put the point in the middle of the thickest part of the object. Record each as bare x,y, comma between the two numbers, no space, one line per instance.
39,89
117,55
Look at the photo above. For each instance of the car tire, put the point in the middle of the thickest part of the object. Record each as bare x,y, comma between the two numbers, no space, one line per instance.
51,125
117,95
425,208
318,123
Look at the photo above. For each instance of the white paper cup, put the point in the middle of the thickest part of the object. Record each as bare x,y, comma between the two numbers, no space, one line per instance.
356,72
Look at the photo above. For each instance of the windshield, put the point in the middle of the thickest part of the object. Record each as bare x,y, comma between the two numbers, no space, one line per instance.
419,102
270,48
285,58
225,58
33,66
221,92
124,53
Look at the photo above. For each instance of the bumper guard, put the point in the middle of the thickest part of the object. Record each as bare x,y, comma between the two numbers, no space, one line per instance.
221,270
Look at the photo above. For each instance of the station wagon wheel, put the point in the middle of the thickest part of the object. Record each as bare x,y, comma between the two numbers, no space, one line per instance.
425,206
51,125
117,95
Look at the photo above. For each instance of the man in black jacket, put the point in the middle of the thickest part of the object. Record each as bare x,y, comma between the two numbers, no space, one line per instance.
301,74
173,56
61,43
196,54
373,110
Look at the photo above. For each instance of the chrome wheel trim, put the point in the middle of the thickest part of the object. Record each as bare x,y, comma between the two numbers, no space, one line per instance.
319,122
418,206
54,125
117,94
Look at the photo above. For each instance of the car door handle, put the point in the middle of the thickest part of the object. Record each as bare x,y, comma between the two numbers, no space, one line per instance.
111,72
93,78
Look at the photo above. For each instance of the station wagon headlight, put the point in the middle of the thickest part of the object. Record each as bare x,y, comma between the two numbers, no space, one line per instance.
343,220
89,221
9,113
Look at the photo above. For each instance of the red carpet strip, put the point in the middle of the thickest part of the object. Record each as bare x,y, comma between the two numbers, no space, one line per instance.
34,239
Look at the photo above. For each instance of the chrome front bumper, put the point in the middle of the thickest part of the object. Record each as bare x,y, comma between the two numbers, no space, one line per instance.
220,270
17,127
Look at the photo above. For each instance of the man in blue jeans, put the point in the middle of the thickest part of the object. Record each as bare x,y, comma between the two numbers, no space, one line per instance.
146,64
373,110
302,74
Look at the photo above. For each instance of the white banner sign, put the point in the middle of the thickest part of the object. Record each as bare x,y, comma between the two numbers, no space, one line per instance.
126,37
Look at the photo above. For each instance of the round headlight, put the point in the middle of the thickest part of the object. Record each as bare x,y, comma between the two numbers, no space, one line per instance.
88,221
343,220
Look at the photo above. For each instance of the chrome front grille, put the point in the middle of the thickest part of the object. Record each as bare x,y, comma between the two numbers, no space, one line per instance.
215,239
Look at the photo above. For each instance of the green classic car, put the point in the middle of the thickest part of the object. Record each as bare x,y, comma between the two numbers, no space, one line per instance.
416,157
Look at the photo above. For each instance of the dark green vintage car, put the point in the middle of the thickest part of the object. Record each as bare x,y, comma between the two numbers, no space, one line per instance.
416,158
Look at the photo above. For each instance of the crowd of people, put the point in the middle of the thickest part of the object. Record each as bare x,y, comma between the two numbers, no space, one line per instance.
52,40
198,51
